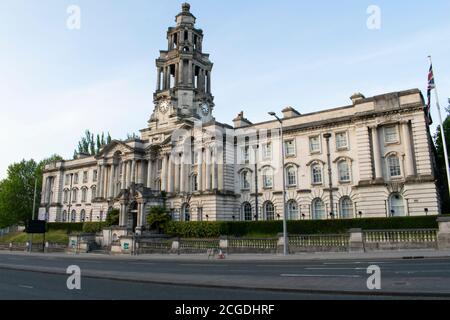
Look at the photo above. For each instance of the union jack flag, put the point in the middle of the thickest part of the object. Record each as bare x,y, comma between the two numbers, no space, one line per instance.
431,86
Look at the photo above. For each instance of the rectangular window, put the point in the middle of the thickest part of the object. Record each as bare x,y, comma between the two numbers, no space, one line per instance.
245,154
94,176
267,151
245,180
390,134
75,178
85,177
314,144
289,148
316,174
341,140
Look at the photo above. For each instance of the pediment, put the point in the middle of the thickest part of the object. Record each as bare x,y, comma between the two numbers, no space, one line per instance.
113,148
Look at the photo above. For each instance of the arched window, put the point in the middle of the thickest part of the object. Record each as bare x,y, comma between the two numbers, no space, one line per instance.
291,176
83,195
269,211
344,171
194,183
64,216
394,166
397,205
245,180
73,216
83,216
318,209
66,196
316,173
247,211
346,205
292,209
186,212
74,195
268,178
93,193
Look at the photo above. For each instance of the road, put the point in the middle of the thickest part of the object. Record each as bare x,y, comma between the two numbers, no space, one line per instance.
44,277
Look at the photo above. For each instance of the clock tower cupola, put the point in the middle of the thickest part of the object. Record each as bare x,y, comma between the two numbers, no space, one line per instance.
183,87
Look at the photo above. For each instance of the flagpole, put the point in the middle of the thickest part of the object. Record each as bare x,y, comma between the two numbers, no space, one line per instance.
444,143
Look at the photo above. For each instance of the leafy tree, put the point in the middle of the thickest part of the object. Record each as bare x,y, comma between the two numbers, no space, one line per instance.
112,219
132,136
158,219
440,162
17,190
91,144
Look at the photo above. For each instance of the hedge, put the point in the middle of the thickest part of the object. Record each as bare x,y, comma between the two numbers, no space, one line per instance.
94,227
69,227
242,229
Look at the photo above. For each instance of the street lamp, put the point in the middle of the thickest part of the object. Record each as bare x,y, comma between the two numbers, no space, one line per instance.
285,242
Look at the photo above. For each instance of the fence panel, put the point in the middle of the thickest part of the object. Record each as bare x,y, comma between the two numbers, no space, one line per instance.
319,243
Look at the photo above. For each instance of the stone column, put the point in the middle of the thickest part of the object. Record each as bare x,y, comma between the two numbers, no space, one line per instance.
190,73
177,174
214,170
409,156
200,170
443,236
356,241
170,178
128,173
220,171
123,182
149,174
100,182
208,170
209,82
377,154
123,215
133,171
163,173
181,74
158,77
111,181
182,174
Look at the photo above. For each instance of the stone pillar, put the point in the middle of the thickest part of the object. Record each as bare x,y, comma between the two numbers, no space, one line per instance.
443,236
123,215
149,174
377,154
177,74
140,218
111,181
190,73
409,156
356,242
170,178
158,79
208,170
214,170
164,173
177,174
100,181
181,73
133,171
208,89
128,173
200,170
182,174
123,182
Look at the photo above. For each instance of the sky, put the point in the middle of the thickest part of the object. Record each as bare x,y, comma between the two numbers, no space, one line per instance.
56,82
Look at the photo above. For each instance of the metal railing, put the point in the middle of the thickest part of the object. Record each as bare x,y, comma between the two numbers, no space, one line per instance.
401,236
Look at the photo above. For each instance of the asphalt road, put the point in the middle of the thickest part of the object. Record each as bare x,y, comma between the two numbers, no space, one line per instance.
44,277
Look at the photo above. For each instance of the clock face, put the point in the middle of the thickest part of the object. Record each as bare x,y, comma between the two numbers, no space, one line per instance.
205,108
164,106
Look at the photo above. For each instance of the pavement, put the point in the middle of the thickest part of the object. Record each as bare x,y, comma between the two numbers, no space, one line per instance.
404,274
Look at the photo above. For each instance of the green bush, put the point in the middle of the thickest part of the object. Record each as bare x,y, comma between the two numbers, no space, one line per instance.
113,218
93,227
68,227
158,219
272,228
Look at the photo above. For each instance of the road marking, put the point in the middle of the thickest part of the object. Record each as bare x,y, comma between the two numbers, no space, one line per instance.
319,276
347,263
26,287
143,263
335,268
202,265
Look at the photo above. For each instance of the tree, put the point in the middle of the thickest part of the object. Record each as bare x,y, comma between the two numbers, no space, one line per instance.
112,219
440,162
90,145
132,136
158,219
17,190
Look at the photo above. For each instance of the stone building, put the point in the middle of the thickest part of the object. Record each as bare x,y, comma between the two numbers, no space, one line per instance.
372,158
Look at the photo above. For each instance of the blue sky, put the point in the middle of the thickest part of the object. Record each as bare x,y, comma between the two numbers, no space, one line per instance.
313,55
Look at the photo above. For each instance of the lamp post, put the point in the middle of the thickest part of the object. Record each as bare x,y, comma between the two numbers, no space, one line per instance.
285,242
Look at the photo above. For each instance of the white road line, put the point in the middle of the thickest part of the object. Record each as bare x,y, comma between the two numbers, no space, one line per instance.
202,265
319,276
26,287
335,268
143,263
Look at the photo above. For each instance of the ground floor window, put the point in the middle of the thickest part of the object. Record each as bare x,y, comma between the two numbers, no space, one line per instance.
346,205
247,211
318,209
269,211
292,209
186,212
397,205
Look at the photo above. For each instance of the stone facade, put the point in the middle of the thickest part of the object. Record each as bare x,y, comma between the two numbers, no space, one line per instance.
372,158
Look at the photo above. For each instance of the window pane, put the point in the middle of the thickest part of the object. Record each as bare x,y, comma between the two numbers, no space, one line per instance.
344,171
317,174
341,140
394,166
314,144
390,134
290,148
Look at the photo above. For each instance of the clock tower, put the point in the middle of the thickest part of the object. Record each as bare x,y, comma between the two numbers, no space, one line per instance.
183,86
